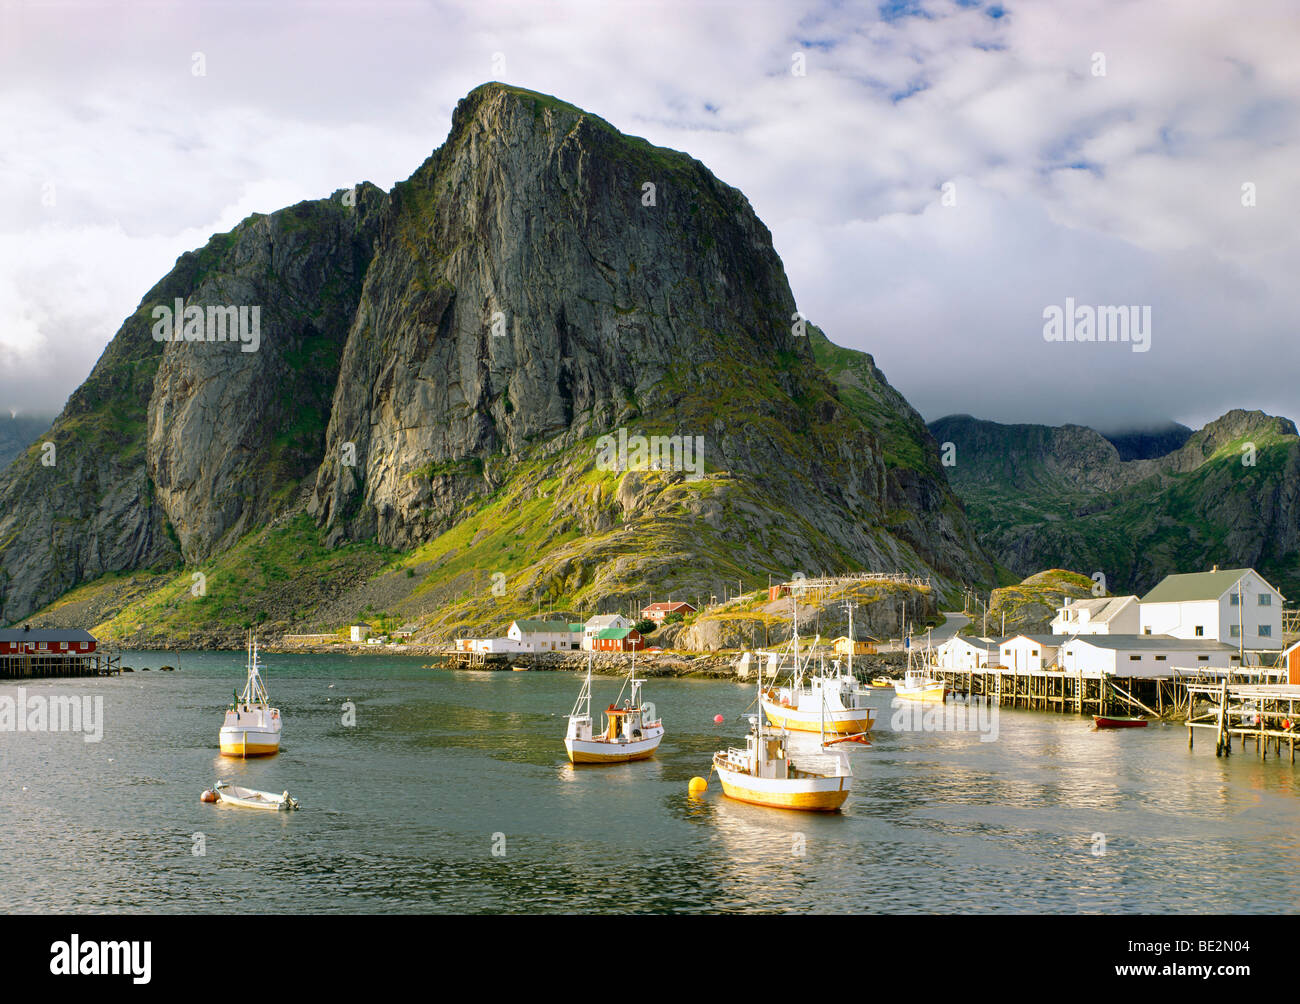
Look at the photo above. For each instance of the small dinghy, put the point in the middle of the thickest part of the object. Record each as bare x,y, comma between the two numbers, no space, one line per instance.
1119,722
249,798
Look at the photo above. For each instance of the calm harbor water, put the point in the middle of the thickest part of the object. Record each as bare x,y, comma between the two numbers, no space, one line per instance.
403,811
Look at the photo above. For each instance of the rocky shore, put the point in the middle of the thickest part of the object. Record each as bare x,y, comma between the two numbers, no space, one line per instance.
706,665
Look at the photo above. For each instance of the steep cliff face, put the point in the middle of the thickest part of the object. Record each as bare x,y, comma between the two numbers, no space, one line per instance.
234,426
1041,496
435,369
523,293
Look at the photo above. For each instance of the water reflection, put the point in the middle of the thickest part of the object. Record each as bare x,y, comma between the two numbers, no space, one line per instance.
401,810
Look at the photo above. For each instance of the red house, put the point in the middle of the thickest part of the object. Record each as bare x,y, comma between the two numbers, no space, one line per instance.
58,641
658,611
618,640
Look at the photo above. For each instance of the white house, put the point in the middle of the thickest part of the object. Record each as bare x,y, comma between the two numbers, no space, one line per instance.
1142,655
959,653
599,623
1024,652
1236,606
360,632
1102,615
546,636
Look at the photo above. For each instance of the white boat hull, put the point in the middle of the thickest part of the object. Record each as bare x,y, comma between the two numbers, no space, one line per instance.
251,733
249,798
816,794
604,751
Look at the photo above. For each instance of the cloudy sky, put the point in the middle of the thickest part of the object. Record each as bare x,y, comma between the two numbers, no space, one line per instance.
940,173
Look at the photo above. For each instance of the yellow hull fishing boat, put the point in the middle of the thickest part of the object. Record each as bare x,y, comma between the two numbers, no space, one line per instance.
763,774
816,700
252,727
917,684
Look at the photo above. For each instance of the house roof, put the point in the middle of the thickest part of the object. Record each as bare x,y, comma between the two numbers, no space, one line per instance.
984,644
1102,608
53,634
1151,642
669,606
1046,640
615,633
1195,586
548,626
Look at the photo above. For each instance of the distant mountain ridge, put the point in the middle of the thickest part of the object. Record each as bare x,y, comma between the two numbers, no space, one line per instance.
17,432
1150,442
1062,496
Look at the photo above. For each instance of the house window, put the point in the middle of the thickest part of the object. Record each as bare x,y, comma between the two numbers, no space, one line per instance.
1034,653
1200,631
1160,658
1234,630
1146,630
1266,630
1202,658
1234,599
1135,658
1265,599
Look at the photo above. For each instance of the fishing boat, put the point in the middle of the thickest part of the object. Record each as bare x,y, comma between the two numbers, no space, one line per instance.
883,682
1119,722
763,774
917,684
252,726
251,798
815,700
631,731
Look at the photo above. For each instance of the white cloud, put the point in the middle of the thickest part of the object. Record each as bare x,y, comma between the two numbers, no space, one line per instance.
1117,189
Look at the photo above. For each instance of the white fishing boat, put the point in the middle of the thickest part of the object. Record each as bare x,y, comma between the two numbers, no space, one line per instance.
252,727
815,700
631,732
917,684
250,798
763,774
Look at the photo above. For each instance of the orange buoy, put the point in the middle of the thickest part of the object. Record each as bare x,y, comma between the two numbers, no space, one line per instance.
717,719
208,796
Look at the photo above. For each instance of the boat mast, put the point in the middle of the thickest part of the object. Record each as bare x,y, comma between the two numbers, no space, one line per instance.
584,695
852,643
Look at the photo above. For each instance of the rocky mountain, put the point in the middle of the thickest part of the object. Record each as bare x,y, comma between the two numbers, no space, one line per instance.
1045,496
420,428
1028,607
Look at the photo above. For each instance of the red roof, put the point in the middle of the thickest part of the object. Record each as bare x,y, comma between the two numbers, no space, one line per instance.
667,607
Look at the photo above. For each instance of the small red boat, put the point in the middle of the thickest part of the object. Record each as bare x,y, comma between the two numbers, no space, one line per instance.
1119,722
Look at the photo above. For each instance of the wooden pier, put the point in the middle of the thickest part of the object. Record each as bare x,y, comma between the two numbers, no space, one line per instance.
48,664
1264,713
1062,692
